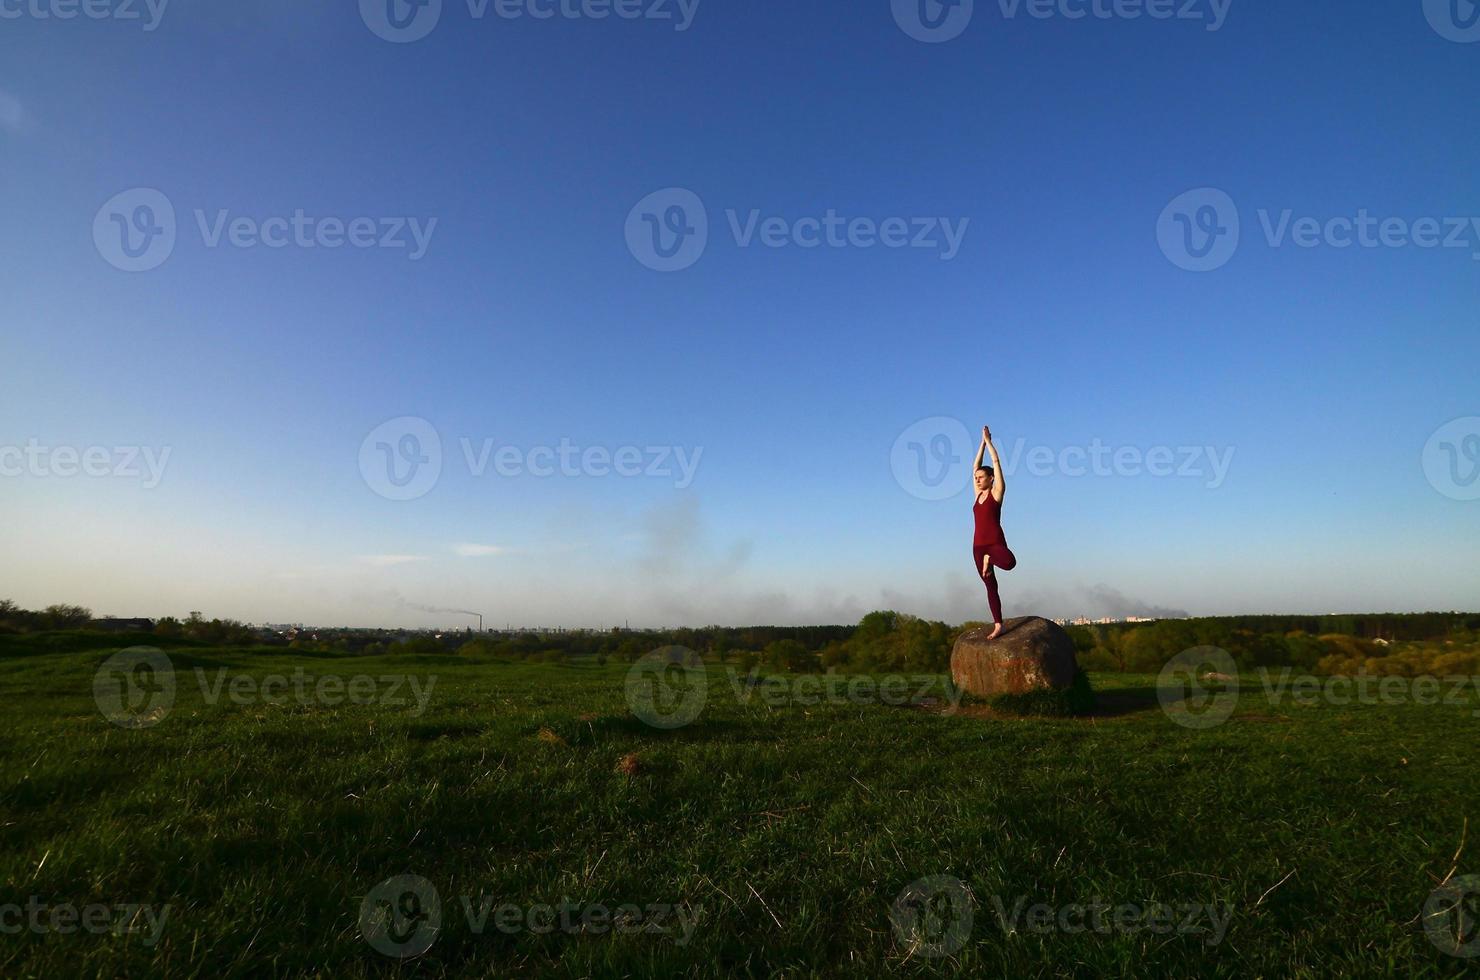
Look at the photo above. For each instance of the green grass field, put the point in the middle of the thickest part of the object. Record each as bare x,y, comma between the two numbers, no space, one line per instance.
767,837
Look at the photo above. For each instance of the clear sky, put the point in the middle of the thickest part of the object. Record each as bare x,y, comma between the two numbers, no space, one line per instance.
1055,301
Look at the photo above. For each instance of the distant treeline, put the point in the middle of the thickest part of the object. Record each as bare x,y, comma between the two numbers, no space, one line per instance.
1406,643
1402,643
228,632
1367,626
882,641
14,619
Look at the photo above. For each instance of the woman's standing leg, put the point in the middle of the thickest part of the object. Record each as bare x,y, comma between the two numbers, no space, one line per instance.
993,599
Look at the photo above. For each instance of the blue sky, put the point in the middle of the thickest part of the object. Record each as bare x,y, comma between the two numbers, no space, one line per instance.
1057,144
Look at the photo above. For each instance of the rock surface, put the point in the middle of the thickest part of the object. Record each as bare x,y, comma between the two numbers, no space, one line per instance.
1031,654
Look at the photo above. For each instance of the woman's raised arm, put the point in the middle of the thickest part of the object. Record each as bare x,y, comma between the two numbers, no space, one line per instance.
999,485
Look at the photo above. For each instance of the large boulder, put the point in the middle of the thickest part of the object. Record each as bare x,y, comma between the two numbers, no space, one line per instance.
1031,654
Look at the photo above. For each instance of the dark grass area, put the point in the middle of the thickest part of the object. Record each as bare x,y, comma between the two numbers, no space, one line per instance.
786,831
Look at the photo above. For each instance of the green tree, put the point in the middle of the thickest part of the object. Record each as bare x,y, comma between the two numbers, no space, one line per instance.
790,655
65,617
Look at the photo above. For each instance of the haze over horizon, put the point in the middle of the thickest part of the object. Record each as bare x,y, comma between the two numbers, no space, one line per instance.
433,270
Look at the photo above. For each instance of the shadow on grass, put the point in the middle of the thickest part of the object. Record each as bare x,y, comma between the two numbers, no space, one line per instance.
1124,701
596,730
86,641
590,731
431,731
1117,703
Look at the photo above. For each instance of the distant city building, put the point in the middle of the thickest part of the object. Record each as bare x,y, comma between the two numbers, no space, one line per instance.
1104,620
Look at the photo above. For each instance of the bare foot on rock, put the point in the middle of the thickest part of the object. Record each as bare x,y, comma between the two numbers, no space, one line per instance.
996,632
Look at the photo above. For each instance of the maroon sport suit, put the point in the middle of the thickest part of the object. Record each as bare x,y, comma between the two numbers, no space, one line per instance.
989,540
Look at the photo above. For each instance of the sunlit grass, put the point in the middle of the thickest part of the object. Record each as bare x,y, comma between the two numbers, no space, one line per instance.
787,830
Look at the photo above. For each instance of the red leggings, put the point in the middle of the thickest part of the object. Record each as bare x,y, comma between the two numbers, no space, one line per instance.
1001,558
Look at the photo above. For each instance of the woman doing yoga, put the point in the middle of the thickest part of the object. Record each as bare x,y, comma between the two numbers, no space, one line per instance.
989,549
